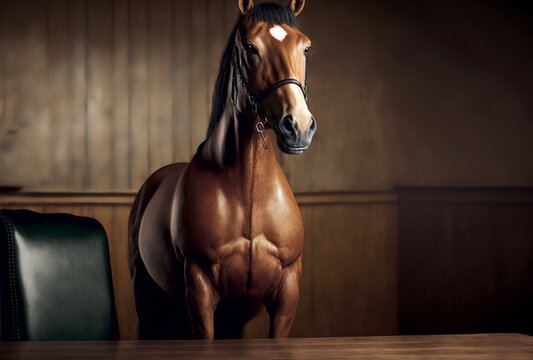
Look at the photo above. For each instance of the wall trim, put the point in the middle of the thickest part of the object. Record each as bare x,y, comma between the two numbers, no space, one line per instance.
434,194
403,194
126,197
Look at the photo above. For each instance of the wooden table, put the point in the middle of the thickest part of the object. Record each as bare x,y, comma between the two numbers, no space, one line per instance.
493,346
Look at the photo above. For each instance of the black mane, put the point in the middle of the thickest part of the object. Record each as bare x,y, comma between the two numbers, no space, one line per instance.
271,13
267,12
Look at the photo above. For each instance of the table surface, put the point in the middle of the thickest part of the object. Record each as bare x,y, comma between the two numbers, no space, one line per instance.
482,346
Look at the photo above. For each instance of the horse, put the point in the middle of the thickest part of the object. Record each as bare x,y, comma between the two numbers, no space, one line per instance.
213,242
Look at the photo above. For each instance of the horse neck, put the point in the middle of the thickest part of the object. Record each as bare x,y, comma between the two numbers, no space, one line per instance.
254,164
244,158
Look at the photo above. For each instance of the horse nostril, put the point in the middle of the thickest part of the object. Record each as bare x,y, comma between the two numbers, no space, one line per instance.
288,126
312,128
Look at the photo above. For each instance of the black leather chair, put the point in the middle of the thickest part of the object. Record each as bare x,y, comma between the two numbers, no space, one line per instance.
55,278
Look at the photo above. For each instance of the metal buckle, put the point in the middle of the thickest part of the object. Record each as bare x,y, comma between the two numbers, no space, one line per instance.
260,127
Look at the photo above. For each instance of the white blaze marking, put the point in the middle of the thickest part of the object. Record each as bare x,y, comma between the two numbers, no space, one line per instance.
278,33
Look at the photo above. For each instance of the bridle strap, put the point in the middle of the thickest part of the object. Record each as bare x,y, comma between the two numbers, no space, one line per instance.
255,97
260,97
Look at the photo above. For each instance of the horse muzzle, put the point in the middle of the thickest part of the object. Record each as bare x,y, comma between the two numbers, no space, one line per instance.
291,139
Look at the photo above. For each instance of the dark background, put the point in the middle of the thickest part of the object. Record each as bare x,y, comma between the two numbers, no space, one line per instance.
416,192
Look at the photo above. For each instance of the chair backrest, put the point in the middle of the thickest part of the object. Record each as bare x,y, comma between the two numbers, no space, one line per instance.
55,278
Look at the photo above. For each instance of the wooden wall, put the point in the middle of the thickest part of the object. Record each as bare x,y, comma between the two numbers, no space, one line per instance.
425,261
96,94
349,281
465,260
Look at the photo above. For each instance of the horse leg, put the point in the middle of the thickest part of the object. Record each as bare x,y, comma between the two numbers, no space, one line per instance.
282,308
229,330
202,299
231,316
161,316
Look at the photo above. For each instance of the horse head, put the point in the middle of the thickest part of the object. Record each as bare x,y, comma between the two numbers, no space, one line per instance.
270,59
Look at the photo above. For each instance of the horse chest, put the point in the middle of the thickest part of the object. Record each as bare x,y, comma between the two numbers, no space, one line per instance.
247,244
221,220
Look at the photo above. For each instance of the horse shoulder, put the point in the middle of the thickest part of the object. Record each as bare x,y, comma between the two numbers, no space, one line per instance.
278,217
211,216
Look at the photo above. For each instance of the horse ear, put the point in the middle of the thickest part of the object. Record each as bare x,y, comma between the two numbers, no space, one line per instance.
297,6
245,5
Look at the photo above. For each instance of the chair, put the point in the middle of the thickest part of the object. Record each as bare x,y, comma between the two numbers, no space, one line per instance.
55,278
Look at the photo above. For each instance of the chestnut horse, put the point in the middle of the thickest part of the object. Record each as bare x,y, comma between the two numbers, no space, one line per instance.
214,241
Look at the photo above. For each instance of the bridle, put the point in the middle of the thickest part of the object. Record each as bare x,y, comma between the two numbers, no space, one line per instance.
255,98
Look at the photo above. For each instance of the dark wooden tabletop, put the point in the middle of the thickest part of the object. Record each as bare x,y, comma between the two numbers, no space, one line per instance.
492,346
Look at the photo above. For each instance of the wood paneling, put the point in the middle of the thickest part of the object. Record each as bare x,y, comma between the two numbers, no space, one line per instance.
443,260
120,140
26,96
181,96
350,268
58,52
76,32
465,260
160,66
349,278
199,94
138,92
97,94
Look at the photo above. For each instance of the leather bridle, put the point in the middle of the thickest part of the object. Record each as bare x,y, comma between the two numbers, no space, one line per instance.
255,97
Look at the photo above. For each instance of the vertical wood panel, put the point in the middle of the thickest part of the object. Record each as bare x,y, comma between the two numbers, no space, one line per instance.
77,33
122,283
466,259
160,83
139,97
217,31
198,69
58,78
99,126
26,94
114,219
120,141
349,277
231,14
181,119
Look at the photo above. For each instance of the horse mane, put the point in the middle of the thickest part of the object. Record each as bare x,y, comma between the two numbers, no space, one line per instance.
267,12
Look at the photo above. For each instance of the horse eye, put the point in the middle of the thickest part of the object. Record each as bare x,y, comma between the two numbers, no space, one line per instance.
306,50
249,49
